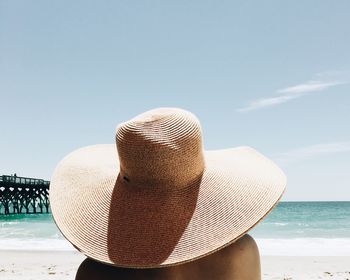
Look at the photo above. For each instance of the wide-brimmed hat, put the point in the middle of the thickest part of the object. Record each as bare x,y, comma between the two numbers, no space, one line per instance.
156,197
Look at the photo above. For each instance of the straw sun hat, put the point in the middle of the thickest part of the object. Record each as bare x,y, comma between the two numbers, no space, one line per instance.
156,197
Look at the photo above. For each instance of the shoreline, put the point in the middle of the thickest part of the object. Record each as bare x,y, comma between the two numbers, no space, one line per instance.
267,246
40,265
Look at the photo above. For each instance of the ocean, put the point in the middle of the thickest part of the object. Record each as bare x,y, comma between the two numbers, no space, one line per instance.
292,229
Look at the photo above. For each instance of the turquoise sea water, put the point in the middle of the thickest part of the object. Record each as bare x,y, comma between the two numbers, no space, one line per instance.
318,228
306,220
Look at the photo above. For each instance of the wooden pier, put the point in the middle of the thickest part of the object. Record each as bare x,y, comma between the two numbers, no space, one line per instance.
20,195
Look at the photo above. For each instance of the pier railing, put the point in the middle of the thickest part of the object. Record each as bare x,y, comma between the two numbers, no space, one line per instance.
23,195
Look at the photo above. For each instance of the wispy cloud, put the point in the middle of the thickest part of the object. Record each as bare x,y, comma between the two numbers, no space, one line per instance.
284,95
267,102
312,151
309,86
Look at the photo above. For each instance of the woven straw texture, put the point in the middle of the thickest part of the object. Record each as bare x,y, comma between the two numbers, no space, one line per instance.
156,197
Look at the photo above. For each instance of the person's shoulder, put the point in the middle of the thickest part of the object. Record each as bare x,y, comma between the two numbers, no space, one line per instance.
245,245
239,260
244,258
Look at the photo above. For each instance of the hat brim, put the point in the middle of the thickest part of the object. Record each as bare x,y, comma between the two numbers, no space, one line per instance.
114,223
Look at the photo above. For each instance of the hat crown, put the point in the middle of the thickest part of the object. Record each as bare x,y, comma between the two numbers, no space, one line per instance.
162,147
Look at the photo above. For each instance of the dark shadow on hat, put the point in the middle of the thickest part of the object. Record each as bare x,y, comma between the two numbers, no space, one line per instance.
146,223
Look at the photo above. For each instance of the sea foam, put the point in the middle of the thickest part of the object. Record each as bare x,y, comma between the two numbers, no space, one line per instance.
304,247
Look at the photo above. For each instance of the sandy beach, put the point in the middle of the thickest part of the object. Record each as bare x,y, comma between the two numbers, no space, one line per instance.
40,265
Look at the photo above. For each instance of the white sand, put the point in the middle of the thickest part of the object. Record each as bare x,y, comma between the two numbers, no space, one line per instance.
40,265
305,268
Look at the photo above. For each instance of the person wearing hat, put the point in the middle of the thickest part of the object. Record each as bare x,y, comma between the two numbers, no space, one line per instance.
240,260
156,205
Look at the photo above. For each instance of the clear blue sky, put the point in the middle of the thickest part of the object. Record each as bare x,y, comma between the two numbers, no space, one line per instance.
273,75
